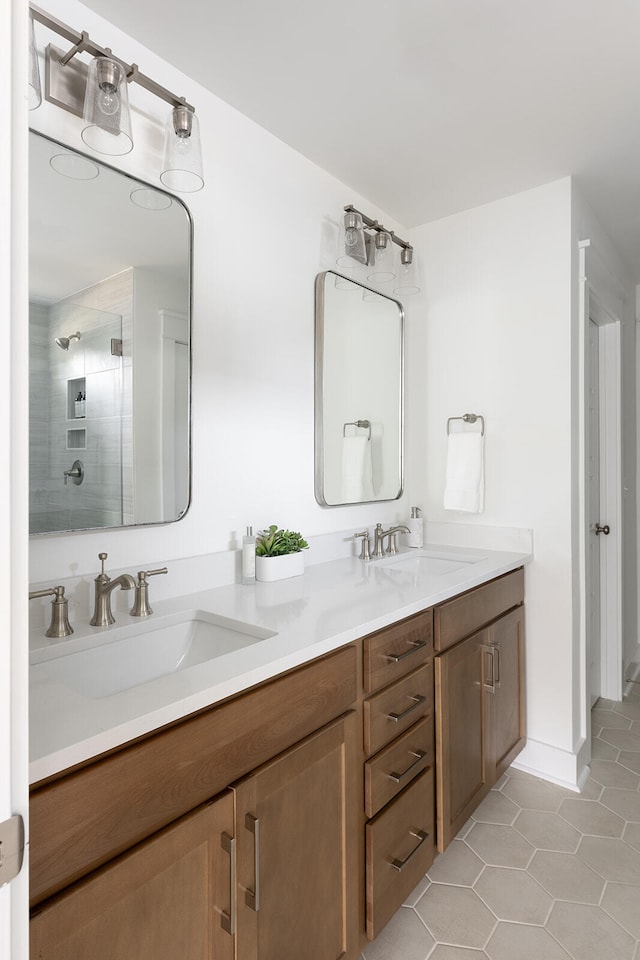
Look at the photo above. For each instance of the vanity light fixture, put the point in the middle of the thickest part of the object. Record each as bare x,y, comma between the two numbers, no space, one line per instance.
106,109
407,283
382,270
378,253
182,166
98,91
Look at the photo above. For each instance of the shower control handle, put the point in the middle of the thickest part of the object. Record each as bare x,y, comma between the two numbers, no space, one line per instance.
76,472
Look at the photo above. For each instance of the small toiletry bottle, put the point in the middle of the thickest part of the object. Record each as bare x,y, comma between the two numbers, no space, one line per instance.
249,557
415,537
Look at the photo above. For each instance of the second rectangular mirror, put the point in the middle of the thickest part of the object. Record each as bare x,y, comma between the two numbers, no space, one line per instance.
358,393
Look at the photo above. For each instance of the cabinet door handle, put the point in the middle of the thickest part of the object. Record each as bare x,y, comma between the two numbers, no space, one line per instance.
420,754
421,836
417,700
415,646
496,664
228,920
253,896
490,683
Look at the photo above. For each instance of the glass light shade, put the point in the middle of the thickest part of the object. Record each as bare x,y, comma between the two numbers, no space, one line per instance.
35,89
351,241
182,162
383,268
407,283
106,109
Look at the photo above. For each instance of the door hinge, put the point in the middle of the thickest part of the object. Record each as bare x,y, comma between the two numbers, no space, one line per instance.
116,347
11,848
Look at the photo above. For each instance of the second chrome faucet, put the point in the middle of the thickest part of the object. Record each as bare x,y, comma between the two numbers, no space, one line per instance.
378,542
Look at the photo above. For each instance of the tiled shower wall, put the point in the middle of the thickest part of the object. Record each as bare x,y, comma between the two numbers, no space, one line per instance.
104,498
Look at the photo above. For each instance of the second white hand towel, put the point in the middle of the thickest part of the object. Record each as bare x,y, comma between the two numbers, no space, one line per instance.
464,485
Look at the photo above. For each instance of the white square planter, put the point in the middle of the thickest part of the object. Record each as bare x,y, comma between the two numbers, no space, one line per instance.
279,568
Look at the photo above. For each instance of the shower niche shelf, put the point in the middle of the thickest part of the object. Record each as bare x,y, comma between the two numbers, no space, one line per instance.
76,398
76,438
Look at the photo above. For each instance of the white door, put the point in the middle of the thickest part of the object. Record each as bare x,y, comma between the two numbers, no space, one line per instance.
593,513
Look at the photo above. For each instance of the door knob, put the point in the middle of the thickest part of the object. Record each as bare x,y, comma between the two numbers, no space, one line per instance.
606,529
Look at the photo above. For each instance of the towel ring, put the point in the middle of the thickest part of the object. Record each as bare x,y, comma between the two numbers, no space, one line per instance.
363,424
468,418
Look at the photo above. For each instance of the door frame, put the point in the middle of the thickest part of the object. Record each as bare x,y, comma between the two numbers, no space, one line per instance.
14,388
601,301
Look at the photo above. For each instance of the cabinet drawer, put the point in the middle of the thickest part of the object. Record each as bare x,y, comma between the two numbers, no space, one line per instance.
400,850
392,711
386,774
464,615
395,651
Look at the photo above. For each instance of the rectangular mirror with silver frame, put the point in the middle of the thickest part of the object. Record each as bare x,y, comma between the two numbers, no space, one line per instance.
358,393
110,346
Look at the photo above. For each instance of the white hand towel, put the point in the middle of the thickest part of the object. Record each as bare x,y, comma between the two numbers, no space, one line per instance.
464,486
357,476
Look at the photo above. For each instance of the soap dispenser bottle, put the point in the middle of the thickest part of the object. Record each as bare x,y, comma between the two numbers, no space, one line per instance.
415,537
249,557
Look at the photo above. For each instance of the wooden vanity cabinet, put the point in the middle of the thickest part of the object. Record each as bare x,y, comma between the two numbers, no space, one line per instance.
398,743
480,696
189,889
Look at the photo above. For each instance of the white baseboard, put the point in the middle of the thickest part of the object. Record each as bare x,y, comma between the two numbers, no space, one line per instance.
567,769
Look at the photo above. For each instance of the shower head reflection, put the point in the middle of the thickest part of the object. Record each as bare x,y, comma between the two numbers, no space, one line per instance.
63,342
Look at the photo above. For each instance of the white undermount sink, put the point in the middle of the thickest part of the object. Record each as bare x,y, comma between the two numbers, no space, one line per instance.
429,562
154,648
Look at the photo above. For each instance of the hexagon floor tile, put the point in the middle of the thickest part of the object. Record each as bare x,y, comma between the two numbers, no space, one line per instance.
539,872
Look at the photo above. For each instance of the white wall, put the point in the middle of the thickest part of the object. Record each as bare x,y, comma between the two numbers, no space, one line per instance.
498,336
494,338
262,230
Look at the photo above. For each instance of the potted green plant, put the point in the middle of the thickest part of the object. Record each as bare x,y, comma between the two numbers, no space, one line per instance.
279,554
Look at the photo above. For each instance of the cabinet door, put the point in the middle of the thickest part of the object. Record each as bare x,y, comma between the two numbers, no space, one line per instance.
464,761
168,897
506,637
297,852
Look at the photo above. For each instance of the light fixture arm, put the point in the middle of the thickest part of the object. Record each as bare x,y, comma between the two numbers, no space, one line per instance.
83,43
378,227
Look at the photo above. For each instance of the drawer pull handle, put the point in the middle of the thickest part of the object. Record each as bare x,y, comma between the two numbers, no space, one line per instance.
228,920
420,755
418,699
421,836
252,897
415,646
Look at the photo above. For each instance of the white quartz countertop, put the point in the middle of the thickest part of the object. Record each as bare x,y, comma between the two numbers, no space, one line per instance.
332,604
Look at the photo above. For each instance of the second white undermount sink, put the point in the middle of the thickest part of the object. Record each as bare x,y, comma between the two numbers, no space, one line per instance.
429,562
150,650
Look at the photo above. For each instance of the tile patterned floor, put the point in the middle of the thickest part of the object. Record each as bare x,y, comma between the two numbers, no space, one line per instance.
539,872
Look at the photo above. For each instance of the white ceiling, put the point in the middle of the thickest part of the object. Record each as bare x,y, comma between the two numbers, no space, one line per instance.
427,107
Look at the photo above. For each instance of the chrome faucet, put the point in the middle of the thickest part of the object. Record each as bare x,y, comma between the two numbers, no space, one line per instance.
102,616
379,536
